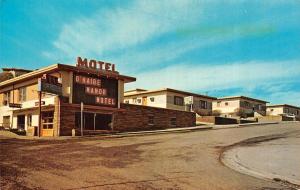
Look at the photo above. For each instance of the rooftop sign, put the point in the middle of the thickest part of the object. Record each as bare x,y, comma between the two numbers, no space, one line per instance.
94,90
95,65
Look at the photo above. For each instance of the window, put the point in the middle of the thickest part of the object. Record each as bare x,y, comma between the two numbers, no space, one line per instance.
259,107
22,94
226,103
152,99
134,100
6,98
127,101
246,104
203,104
272,109
29,120
47,120
6,121
286,110
173,121
150,120
218,103
139,100
178,100
297,112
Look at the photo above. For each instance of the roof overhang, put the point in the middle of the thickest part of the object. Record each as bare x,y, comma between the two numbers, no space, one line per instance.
62,67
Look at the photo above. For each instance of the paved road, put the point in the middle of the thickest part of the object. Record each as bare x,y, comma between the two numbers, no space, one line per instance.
165,161
278,158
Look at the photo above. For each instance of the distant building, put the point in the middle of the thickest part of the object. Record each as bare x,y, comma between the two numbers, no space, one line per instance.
284,110
239,106
171,99
9,73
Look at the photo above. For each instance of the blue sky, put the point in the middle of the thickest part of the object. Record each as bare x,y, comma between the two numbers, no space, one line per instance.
218,48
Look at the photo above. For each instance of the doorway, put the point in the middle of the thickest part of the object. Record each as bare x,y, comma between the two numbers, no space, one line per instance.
47,124
21,122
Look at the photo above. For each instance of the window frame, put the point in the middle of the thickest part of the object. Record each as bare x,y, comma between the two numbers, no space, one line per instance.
29,120
150,119
178,100
203,104
22,94
172,119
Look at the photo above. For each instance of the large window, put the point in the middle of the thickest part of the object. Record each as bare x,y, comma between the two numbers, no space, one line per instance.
178,100
22,94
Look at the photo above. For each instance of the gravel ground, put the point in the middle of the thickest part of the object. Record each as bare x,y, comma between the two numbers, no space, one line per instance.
164,161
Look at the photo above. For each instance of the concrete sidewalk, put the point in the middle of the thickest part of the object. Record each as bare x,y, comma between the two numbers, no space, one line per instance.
242,125
170,130
7,134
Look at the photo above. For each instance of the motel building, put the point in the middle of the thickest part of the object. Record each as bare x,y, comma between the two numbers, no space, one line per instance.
171,99
239,106
284,110
83,99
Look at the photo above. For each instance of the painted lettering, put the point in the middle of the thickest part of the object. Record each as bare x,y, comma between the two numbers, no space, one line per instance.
96,65
82,63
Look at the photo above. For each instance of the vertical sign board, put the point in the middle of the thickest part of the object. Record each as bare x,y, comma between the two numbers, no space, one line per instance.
95,90
49,84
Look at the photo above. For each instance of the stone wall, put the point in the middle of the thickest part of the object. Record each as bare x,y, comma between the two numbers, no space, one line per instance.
136,118
275,118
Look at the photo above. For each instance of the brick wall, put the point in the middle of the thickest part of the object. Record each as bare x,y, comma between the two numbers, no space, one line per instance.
67,119
136,118
129,118
217,120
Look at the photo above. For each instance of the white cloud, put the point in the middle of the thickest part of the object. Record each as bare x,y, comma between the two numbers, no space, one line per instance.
122,27
248,75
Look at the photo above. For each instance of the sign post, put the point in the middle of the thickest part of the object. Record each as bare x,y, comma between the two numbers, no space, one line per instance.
81,118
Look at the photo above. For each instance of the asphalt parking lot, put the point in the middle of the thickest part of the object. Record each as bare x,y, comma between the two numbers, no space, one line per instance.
163,161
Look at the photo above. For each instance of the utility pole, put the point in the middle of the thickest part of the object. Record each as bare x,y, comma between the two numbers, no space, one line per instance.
81,118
